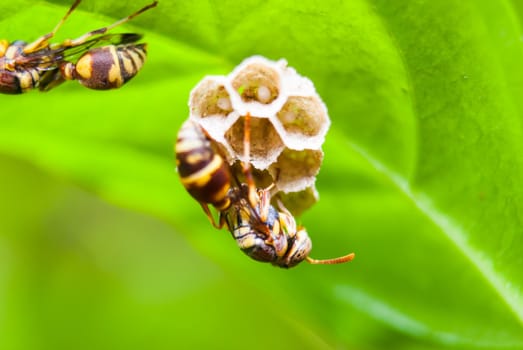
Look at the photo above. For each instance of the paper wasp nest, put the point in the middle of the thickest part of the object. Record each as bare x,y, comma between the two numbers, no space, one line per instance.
288,124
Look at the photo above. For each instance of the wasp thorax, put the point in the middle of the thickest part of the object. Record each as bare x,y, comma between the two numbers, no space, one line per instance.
289,122
259,248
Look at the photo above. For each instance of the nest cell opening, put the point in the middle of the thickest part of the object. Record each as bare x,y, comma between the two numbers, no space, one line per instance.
257,82
264,139
298,202
210,98
294,166
303,115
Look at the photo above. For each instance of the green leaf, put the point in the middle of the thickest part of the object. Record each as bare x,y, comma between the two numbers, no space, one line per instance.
422,175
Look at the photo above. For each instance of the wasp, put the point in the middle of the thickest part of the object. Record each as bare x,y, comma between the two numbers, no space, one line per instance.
97,60
262,231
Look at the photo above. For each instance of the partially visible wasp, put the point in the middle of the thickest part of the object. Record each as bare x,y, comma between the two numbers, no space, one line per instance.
260,230
103,61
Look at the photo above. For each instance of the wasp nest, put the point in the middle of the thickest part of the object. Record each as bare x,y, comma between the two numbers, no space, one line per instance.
288,123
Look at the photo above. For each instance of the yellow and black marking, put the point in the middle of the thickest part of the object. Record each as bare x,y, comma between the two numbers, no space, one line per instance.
13,79
107,67
261,231
17,82
203,171
106,61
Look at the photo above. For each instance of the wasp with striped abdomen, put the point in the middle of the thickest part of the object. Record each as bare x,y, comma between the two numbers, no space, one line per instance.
97,60
261,231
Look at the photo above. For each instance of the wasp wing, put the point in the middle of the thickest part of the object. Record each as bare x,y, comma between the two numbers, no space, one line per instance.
50,58
68,53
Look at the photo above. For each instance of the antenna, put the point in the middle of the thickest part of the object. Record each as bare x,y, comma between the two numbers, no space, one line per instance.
339,260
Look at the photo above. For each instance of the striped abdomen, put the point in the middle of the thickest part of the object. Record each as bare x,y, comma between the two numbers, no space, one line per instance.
107,67
203,171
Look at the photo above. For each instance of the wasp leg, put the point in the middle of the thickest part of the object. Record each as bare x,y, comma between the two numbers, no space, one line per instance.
41,42
50,79
282,207
207,211
253,199
265,201
83,38
287,222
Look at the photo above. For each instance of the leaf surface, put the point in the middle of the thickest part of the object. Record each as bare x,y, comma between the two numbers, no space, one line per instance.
423,171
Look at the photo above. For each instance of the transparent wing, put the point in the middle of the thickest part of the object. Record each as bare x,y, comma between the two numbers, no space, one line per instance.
51,57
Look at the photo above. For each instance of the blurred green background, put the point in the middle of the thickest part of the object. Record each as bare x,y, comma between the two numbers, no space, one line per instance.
101,247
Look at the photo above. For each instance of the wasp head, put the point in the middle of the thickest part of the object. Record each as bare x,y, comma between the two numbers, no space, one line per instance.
298,250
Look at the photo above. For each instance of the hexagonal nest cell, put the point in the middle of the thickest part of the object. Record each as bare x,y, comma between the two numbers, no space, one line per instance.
296,170
262,178
303,115
265,143
288,123
298,202
210,98
257,82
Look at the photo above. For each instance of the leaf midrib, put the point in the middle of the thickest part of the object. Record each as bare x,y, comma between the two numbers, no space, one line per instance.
449,227
455,232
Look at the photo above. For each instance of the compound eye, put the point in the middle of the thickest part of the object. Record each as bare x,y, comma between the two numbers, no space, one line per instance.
298,257
300,249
